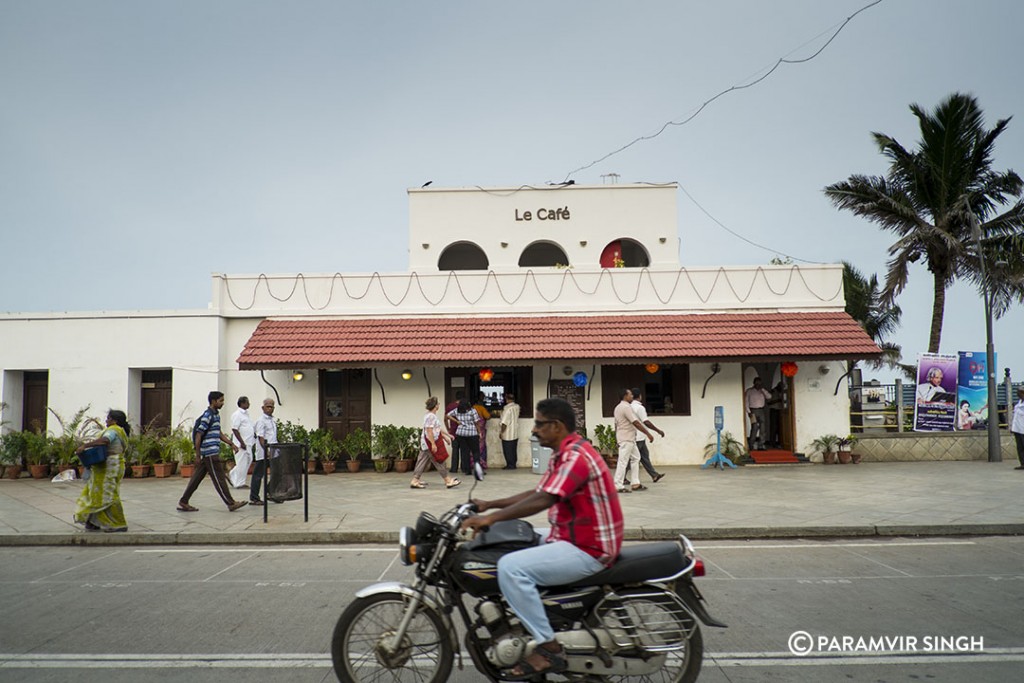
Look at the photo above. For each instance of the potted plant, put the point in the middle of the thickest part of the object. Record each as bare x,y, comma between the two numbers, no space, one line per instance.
827,445
12,449
294,432
183,450
324,445
165,463
408,448
39,450
73,433
384,446
355,444
846,454
731,447
607,444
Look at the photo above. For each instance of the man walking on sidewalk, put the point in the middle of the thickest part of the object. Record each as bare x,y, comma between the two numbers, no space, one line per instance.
206,439
641,440
626,427
245,438
1017,427
266,434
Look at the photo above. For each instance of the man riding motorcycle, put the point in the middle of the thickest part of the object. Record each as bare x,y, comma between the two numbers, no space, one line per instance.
585,535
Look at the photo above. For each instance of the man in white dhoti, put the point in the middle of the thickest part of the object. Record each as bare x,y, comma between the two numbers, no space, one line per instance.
244,436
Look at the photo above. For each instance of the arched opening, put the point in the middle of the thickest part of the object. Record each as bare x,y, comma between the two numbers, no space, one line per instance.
462,256
624,253
543,254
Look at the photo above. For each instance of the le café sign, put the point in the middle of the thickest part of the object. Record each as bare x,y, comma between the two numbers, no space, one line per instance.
543,214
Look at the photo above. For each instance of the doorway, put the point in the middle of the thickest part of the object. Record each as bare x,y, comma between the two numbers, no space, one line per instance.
344,401
778,432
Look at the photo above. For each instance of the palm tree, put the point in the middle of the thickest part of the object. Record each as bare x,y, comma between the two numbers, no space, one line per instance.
927,199
879,320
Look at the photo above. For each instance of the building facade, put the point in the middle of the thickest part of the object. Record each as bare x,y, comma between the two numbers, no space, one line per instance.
575,291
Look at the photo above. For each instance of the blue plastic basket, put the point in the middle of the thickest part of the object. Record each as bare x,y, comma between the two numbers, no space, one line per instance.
93,456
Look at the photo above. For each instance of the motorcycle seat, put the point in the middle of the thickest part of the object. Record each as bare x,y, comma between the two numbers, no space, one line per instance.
638,563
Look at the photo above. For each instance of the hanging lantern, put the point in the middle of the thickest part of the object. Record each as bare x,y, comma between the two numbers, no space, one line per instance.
789,369
652,367
580,379
486,375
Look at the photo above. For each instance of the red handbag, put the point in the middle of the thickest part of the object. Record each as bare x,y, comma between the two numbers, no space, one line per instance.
440,450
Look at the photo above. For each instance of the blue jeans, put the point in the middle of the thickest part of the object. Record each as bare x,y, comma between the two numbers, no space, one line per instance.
548,564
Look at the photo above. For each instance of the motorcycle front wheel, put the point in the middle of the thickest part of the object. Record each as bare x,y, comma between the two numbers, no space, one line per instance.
362,646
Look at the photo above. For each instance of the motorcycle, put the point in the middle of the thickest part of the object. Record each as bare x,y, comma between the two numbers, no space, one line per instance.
635,620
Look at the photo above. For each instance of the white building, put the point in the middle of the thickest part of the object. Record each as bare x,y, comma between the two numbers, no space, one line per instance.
519,281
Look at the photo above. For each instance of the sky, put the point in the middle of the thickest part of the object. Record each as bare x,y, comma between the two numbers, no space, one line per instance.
146,145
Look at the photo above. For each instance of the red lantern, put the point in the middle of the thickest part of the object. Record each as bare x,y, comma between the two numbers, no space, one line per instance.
651,368
486,375
789,369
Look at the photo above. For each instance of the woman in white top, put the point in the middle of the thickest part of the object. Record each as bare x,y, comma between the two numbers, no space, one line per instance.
430,439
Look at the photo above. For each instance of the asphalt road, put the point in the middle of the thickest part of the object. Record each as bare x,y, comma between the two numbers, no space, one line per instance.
950,609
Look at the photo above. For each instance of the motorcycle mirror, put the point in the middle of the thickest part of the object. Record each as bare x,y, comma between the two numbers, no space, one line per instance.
478,476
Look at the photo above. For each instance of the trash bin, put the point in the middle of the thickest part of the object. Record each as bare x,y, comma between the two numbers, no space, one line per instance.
540,456
287,464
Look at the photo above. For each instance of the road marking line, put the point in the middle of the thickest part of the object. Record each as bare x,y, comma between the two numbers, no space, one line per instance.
318,549
801,546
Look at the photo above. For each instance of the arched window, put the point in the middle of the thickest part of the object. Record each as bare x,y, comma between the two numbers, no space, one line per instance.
462,256
541,254
630,252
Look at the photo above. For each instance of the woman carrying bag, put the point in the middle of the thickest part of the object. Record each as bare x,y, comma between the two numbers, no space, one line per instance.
99,507
432,448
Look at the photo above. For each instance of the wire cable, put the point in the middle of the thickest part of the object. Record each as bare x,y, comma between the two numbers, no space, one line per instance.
779,62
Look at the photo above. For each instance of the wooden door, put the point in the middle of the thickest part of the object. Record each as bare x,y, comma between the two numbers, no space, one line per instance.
34,401
156,400
345,401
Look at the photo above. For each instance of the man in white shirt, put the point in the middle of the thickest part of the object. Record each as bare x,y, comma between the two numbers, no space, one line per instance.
510,431
757,401
243,436
641,439
266,434
626,427
1017,427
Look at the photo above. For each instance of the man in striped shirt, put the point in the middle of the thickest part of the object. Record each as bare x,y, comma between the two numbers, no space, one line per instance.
206,439
585,535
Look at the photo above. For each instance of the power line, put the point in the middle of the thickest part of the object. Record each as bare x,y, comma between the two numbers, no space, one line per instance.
779,62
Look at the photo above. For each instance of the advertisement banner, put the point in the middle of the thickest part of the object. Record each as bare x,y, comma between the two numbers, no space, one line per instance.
935,405
972,391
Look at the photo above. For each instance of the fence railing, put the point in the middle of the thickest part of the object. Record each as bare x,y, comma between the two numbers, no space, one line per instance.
882,408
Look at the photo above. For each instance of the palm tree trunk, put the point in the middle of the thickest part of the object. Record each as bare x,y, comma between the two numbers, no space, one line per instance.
938,309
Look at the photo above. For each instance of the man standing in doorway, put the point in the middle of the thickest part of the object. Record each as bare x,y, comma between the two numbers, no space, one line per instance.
206,439
757,402
266,434
641,439
244,438
510,431
626,427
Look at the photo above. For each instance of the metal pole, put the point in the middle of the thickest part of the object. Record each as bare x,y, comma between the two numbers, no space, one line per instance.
995,449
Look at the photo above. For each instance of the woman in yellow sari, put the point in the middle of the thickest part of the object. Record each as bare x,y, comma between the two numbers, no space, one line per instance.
99,506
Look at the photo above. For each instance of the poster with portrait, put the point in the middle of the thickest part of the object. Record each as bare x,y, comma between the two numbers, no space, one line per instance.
935,398
972,391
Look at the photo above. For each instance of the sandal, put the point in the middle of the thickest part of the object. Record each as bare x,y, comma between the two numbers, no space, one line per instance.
452,484
639,487
417,485
185,507
524,670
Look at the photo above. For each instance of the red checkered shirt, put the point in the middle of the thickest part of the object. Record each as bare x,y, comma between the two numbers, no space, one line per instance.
587,513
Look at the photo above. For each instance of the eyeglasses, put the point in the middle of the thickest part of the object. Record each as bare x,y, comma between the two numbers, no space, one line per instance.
537,424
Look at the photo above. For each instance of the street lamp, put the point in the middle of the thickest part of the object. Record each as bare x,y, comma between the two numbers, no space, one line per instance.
995,449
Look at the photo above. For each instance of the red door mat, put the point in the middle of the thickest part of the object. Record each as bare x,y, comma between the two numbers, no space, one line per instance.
772,457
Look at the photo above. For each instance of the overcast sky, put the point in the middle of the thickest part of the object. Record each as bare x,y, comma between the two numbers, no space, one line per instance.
145,145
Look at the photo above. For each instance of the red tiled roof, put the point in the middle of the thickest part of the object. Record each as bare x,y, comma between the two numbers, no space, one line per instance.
705,337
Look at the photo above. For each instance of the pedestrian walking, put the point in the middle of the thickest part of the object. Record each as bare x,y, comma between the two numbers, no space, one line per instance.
432,440
206,439
466,449
99,506
626,427
641,439
244,435
266,434
1017,427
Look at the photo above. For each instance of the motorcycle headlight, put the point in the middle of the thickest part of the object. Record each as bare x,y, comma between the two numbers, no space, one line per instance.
407,545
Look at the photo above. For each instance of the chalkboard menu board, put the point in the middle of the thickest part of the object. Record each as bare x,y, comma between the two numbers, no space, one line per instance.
567,389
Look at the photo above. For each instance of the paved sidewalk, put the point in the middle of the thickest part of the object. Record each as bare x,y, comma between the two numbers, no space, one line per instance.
756,501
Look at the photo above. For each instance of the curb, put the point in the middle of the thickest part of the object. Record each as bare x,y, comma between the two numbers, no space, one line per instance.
390,537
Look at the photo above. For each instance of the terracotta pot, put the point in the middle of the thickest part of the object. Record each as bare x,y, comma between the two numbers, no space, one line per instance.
382,465
311,466
829,458
187,470
329,466
844,457
163,469
856,457
12,471
353,465
39,471
140,471
403,465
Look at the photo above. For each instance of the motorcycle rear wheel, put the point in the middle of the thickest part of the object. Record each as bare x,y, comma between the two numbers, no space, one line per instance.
424,656
681,666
